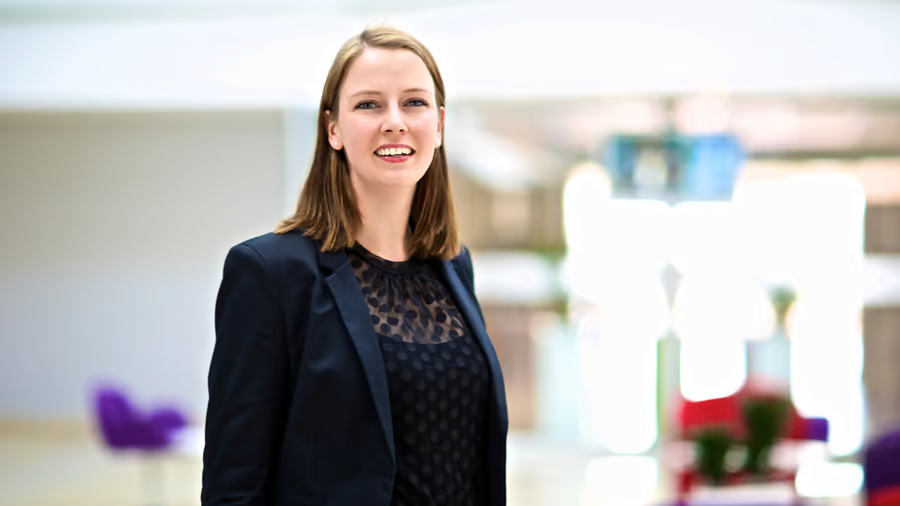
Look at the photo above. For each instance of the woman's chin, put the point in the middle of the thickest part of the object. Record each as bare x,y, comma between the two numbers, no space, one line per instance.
399,179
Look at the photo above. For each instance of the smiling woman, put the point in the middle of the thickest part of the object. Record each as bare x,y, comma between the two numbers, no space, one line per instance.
383,102
351,364
381,120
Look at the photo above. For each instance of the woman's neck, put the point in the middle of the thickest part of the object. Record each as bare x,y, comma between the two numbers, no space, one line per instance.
385,223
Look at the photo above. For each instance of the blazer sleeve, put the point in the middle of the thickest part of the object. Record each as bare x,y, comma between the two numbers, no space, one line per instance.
247,386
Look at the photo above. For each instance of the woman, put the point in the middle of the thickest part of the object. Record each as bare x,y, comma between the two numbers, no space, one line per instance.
351,364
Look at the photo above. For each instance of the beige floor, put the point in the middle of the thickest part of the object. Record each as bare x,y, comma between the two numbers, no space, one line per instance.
53,467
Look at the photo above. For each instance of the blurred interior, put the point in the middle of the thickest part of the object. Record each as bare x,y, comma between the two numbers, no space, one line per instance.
666,202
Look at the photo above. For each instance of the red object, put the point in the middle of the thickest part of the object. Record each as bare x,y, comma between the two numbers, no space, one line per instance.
725,412
884,497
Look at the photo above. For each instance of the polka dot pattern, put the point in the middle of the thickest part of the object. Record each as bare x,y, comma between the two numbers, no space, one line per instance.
437,380
406,301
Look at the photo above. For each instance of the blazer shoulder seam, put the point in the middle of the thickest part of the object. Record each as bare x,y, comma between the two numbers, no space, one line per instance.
259,257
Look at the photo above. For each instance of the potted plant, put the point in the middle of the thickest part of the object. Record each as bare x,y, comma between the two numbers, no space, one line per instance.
713,445
765,419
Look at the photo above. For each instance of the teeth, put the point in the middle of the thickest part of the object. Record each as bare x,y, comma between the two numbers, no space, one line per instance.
393,151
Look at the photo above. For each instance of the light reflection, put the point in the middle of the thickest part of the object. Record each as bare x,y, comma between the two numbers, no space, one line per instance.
587,189
712,303
622,481
616,250
712,366
829,479
808,230
618,377
706,237
619,241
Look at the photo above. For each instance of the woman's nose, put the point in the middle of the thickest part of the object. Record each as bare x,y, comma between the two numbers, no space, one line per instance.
393,122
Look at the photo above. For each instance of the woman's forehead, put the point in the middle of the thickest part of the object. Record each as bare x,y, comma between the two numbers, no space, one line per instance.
381,71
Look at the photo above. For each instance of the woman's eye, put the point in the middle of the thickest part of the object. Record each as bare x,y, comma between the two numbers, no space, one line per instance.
416,102
365,105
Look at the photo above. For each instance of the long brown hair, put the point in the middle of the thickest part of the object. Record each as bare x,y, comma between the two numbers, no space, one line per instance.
327,209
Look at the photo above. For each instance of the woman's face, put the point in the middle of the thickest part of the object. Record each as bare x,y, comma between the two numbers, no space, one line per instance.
388,124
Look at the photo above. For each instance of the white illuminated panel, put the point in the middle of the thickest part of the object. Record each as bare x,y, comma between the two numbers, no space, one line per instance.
706,236
616,250
712,367
809,230
618,378
720,302
829,479
717,305
622,481
585,194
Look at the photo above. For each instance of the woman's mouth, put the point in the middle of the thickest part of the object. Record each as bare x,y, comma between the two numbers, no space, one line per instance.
395,154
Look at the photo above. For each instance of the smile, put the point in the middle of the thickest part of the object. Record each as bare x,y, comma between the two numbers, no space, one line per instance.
399,151
395,153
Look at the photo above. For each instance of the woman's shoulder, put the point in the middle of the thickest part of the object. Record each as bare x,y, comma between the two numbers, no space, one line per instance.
289,244
282,254
462,263
462,260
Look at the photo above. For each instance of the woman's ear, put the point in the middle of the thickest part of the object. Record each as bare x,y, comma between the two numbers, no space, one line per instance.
440,128
334,135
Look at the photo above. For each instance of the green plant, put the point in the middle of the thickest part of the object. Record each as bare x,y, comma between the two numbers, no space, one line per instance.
765,419
713,445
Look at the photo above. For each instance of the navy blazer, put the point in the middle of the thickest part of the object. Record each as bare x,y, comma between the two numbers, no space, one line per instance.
298,409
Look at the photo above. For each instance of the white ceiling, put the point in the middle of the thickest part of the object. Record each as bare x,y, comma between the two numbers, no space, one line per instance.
277,52
526,80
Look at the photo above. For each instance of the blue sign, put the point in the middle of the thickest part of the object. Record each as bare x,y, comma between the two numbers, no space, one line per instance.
674,167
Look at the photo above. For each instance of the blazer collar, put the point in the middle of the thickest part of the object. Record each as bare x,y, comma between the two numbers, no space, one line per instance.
331,261
352,306
466,305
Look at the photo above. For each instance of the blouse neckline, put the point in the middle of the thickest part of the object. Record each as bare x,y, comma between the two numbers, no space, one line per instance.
410,266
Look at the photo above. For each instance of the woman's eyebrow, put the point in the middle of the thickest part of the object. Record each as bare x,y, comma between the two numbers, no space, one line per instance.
373,92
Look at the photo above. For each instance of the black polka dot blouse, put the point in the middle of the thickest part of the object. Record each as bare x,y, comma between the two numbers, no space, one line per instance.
437,380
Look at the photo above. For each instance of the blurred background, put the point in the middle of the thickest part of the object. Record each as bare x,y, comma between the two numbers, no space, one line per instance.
668,202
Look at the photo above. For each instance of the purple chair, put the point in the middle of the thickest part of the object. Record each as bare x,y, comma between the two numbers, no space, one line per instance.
126,428
881,462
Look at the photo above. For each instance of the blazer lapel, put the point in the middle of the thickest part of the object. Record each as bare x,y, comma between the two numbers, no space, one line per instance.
470,312
352,306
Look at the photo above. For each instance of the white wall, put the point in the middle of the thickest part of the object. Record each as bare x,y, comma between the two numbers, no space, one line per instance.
113,229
